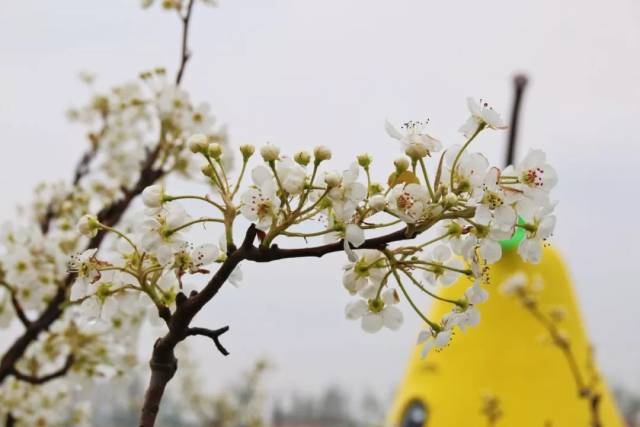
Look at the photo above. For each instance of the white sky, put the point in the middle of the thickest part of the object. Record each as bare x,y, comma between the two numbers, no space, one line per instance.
302,73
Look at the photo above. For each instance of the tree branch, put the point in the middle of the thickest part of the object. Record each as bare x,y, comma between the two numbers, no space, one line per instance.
519,83
17,307
34,379
214,334
185,53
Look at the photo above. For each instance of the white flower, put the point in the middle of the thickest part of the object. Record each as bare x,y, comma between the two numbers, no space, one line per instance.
158,230
470,172
414,136
537,231
483,239
85,265
354,235
408,201
191,259
153,196
475,294
536,176
172,101
440,261
261,204
347,194
291,175
494,203
468,317
269,152
88,225
370,268
377,313
377,202
431,338
481,114
514,283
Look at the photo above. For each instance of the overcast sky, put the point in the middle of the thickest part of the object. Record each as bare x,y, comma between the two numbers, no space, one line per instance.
301,73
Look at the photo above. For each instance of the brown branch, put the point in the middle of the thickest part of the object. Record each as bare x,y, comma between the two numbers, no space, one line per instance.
519,83
185,53
17,307
34,379
214,334
10,420
163,362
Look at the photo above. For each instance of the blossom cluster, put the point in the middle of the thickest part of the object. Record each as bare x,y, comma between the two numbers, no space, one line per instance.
135,131
469,204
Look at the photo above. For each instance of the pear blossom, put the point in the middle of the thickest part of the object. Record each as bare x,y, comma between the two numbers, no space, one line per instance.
408,201
377,202
369,268
86,266
438,260
535,175
494,203
190,259
537,231
261,203
377,313
481,115
347,194
291,175
353,235
470,172
414,135
158,231
514,283
433,339
476,294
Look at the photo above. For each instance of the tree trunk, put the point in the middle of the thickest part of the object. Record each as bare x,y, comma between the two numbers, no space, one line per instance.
163,366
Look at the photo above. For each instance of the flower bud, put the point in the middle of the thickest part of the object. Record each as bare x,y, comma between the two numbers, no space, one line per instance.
401,164
207,170
321,153
198,143
215,150
416,151
377,202
376,188
270,152
302,158
153,196
450,200
247,151
332,179
88,225
364,160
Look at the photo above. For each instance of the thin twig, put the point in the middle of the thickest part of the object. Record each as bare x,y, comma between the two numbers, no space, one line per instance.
185,52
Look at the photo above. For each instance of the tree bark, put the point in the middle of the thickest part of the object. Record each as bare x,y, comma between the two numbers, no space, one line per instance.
163,366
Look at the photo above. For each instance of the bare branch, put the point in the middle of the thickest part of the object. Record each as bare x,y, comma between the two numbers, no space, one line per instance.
20,311
34,379
186,53
214,334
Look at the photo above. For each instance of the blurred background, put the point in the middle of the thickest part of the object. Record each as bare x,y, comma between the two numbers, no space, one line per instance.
302,73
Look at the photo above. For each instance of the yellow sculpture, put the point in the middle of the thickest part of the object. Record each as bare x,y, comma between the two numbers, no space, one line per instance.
511,370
